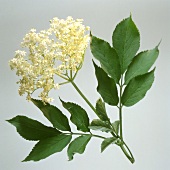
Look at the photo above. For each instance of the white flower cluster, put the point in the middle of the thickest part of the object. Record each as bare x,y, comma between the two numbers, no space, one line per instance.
51,52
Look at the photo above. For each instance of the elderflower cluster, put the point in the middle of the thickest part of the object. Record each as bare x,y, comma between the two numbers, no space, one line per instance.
50,52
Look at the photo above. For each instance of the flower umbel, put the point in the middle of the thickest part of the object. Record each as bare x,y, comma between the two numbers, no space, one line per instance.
58,50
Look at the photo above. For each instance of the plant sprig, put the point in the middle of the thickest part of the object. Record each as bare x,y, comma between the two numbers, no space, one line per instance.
124,77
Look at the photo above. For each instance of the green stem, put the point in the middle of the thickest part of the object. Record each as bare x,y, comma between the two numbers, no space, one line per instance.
120,118
66,82
97,136
83,96
71,74
87,101
125,149
120,109
130,157
65,78
129,152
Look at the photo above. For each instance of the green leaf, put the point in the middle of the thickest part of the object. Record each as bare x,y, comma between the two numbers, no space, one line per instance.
107,142
141,64
78,116
137,88
106,87
107,56
53,114
126,41
115,126
98,124
78,145
31,129
101,110
47,147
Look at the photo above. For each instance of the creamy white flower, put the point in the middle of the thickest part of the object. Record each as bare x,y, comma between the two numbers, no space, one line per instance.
56,86
52,52
21,53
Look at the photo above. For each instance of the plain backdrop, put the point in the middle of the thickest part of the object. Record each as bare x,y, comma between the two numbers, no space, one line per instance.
146,125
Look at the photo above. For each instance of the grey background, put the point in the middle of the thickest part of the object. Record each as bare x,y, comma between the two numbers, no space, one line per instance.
146,125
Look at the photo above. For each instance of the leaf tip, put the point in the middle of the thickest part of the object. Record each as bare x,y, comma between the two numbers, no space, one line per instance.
10,121
95,65
61,100
25,160
101,150
90,34
130,15
153,70
159,43
70,158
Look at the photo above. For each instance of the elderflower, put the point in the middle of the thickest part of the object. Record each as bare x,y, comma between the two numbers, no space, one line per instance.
51,52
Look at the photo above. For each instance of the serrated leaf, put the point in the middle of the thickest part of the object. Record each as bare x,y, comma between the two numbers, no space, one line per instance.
141,64
101,110
115,126
126,41
78,116
106,87
137,88
31,129
47,147
78,145
98,124
107,57
107,142
53,114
